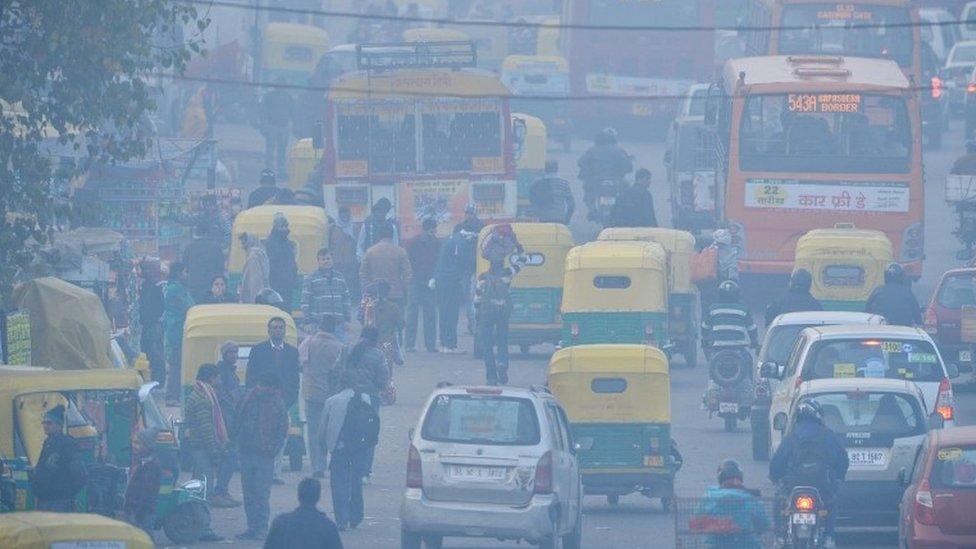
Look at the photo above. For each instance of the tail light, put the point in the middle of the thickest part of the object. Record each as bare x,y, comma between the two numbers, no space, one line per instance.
924,507
944,403
936,87
415,470
804,503
543,475
931,322
574,330
971,88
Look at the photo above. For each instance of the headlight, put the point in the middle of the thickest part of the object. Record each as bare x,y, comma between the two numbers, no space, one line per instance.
193,485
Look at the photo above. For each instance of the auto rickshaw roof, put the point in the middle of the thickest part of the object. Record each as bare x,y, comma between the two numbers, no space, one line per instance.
29,530
17,380
617,255
418,84
530,62
537,234
296,33
301,219
673,240
609,358
234,319
830,241
814,73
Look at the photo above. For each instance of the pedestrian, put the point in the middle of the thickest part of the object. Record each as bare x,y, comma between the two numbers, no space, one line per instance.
261,431
423,250
176,302
635,205
322,364
151,317
797,298
267,189
145,478
204,260
373,225
388,317
342,243
218,292
372,375
204,433
551,196
306,527
282,257
256,274
387,261
470,228
59,474
277,108
446,281
494,304
324,293
894,299
230,393
346,418
471,222
731,514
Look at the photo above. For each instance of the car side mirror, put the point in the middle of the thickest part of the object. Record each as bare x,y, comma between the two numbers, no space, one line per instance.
952,370
779,422
770,370
583,444
902,477
936,421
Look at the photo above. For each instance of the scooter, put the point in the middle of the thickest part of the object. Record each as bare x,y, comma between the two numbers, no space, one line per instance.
806,518
730,393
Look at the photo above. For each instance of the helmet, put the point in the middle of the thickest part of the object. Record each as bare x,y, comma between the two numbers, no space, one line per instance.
267,177
809,410
722,237
729,469
728,290
894,274
801,280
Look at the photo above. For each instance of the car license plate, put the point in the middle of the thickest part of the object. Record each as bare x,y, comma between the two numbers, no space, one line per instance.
728,407
473,472
805,518
868,457
965,356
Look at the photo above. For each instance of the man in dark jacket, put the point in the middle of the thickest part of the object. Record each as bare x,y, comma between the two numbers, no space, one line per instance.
277,357
306,527
422,251
894,299
605,160
266,190
151,317
282,259
635,206
230,392
374,225
493,300
446,280
551,197
59,474
797,298
261,431
204,260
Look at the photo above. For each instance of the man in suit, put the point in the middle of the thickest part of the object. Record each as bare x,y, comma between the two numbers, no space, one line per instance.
278,357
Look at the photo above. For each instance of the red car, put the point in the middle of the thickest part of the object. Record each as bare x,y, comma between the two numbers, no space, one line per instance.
938,510
943,319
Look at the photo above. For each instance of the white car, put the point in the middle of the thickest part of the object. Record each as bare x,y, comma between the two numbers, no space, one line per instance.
958,66
492,462
940,33
779,340
892,352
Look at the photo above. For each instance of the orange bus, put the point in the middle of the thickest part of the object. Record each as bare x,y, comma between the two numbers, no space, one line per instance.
807,142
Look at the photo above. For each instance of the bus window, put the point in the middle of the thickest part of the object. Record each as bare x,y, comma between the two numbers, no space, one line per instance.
826,31
825,133
385,140
454,135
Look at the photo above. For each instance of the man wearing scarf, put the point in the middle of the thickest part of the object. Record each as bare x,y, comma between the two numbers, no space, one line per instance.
204,432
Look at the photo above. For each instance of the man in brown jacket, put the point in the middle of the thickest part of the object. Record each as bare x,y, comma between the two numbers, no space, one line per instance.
320,356
387,261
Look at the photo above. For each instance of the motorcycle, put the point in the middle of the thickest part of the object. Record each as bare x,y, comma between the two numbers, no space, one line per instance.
730,394
605,195
806,518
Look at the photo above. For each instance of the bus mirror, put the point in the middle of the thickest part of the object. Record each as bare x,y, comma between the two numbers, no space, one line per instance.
318,136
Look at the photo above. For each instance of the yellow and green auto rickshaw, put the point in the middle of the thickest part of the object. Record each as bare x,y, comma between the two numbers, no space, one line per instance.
302,158
37,530
530,156
537,289
617,398
309,231
616,292
104,408
207,327
683,294
291,51
541,76
847,264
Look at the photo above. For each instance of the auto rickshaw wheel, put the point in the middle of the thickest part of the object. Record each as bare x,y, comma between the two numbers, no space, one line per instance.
186,523
613,499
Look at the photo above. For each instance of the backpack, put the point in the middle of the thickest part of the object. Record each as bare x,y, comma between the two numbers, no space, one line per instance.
361,427
809,463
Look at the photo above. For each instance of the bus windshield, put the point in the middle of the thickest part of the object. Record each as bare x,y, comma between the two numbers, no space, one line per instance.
825,133
664,13
823,30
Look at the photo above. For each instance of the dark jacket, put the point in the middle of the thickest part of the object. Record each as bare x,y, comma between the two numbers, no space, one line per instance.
142,491
204,259
284,363
450,260
59,474
209,299
151,304
230,393
304,528
604,162
794,301
634,208
422,251
780,465
261,195
896,303
262,423
284,268
728,325
374,374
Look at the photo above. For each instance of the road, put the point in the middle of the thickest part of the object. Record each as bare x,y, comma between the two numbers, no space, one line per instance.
637,521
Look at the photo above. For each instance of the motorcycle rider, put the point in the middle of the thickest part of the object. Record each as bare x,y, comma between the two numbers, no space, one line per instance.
729,524
797,298
604,161
728,322
894,299
811,455
551,197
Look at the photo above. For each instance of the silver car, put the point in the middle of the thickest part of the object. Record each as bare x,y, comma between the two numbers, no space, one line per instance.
496,462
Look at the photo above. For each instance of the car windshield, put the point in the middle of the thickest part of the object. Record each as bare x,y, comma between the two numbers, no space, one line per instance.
781,341
955,467
963,55
957,291
481,419
879,413
825,133
912,360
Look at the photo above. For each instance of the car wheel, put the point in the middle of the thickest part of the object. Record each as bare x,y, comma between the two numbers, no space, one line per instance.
410,540
434,541
574,539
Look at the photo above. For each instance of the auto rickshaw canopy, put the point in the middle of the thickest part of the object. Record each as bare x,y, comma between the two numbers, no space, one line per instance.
302,158
309,231
846,264
612,383
840,242
680,246
616,276
207,327
546,246
35,529
532,154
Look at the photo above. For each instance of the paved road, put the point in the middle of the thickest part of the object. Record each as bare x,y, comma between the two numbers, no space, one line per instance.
637,521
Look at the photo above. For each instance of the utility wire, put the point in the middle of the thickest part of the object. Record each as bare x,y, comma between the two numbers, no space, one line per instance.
559,26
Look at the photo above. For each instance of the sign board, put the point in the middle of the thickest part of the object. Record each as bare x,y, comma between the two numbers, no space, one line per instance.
846,196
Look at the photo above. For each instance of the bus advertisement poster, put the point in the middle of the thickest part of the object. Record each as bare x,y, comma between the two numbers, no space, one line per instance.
440,199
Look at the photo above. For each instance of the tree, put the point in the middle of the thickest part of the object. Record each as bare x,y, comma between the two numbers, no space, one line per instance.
75,74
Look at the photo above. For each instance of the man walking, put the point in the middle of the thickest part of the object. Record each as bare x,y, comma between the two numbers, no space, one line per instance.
278,358
342,244
204,433
230,393
322,363
422,251
282,258
387,261
446,280
59,474
261,434
204,260
635,206
493,301
373,225
151,317
324,293
176,302
306,527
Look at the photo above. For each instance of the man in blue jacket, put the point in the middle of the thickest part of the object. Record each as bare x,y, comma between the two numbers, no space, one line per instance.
731,515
